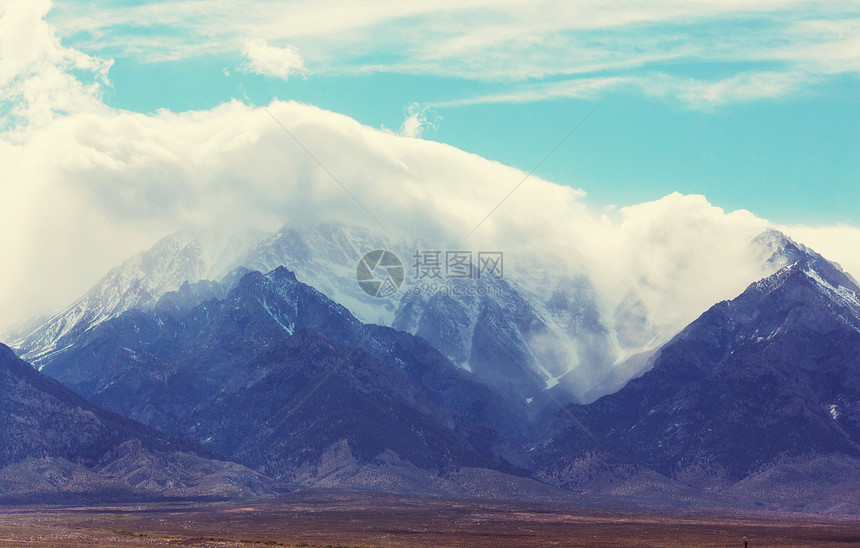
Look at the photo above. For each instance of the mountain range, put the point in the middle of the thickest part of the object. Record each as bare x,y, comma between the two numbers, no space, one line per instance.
231,373
537,389
543,324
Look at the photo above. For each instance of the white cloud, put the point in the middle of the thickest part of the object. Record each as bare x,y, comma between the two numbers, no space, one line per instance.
35,79
417,119
680,254
272,61
839,243
119,181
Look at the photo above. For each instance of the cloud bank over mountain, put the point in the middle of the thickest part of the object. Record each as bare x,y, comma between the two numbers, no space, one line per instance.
87,186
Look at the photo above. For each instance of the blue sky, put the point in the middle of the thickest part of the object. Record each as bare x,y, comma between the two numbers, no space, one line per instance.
754,108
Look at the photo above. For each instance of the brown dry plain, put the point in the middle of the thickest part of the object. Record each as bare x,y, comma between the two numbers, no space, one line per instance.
352,519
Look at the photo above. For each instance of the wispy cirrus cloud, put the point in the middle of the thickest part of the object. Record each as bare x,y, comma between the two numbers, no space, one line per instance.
704,54
700,94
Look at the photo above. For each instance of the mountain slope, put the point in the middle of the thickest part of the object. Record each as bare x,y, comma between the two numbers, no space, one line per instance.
768,380
52,442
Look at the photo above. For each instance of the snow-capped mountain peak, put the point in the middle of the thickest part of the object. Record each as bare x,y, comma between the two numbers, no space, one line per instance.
184,256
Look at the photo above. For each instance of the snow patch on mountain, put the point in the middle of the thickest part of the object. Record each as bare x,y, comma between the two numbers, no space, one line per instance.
840,294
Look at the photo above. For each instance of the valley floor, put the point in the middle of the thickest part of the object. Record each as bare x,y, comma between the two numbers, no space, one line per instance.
350,519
